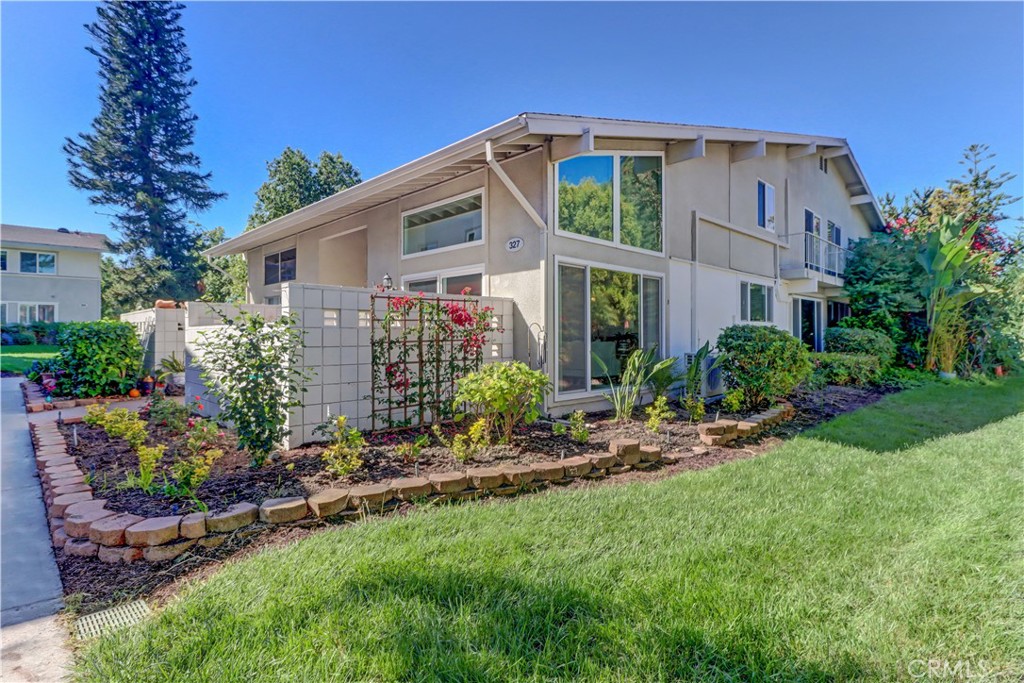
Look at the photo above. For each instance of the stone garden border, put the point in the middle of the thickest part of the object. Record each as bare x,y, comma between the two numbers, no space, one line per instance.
35,399
81,525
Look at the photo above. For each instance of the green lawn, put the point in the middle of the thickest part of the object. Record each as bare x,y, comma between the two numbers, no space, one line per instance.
818,561
19,359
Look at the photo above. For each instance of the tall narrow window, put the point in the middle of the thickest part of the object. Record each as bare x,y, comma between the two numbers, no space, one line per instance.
640,202
765,205
572,328
3,259
757,302
447,225
614,322
651,314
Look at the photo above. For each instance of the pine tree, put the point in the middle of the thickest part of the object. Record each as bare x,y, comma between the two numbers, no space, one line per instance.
137,157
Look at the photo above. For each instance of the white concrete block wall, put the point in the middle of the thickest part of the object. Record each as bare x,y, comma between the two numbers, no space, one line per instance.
337,355
161,332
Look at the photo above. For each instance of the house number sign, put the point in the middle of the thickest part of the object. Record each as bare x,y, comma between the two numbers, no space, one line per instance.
514,244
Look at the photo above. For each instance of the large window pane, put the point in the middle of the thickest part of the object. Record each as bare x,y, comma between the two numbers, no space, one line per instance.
572,333
272,269
585,196
456,222
47,263
288,265
758,303
652,314
426,286
28,262
640,202
26,314
457,284
47,313
614,322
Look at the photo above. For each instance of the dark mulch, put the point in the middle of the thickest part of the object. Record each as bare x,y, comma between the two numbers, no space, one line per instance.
97,584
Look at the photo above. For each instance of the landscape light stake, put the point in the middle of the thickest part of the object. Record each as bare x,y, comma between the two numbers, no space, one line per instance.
74,435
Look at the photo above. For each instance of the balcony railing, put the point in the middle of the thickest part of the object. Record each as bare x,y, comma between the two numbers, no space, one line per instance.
824,256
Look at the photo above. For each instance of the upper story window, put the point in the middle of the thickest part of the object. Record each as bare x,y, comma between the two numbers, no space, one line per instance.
41,262
757,303
446,225
765,205
3,259
812,223
279,267
614,198
822,164
835,233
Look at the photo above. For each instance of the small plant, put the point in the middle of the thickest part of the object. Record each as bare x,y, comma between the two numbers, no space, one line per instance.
95,415
127,425
636,374
164,412
149,456
202,435
170,366
559,429
694,406
503,395
190,473
344,455
733,400
465,447
657,413
578,427
663,379
409,451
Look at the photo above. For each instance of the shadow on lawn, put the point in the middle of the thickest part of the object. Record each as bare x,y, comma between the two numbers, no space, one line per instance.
912,417
450,625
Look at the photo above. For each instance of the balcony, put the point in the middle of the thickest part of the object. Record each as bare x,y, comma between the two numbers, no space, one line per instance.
823,263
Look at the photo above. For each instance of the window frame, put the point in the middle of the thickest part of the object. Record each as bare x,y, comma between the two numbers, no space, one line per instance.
36,305
278,253
774,214
745,315
616,241
560,261
21,254
482,191
3,260
441,274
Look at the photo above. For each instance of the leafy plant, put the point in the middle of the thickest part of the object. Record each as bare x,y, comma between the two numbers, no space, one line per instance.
559,429
99,358
698,370
635,375
202,435
846,368
343,455
465,447
766,362
409,451
861,341
125,424
949,340
504,395
149,456
190,473
578,427
664,378
95,415
657,413
732,402
251,365
694,406
164,412
171,365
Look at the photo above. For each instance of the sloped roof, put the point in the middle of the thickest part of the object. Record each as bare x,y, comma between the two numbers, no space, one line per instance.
519,135
62,238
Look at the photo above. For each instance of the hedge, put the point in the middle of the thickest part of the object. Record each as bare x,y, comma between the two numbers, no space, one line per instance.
847,368
766,362
101,358
860,341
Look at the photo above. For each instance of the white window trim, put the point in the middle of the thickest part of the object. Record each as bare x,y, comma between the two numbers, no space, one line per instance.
482,191
476,269
615,243
814,213
580,263
19,304
56,266
769,302
774,215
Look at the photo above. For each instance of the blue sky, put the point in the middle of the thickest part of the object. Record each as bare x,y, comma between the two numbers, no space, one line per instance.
909,84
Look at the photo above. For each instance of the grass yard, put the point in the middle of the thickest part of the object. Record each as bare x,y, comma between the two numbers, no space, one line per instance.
835,557
19,359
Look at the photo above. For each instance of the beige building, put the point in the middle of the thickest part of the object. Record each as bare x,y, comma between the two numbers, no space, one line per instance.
608,235
49,275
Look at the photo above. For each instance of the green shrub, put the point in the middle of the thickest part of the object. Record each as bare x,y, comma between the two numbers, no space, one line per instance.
504,395
732,402
657,413
578,427
764,361
465,447
856,341
344,455
125,424
24,338
99,358
164,412
847,368
694,406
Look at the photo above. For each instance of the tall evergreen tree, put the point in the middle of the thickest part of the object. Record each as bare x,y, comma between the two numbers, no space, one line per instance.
137,158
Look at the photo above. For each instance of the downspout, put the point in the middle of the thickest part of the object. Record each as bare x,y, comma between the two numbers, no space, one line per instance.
694,242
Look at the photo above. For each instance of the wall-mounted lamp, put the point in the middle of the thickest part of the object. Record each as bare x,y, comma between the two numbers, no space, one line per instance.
387,282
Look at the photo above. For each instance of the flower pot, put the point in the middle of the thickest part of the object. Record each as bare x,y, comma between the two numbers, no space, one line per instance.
178,379
999,371
147,385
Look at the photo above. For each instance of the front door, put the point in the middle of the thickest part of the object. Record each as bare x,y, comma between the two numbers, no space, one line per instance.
807,322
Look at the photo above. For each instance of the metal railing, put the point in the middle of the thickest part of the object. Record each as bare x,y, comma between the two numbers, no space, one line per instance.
824,256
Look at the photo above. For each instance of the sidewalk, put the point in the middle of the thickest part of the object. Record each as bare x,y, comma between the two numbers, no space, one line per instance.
33,643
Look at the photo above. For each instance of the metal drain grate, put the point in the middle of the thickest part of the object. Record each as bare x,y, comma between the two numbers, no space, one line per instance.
98,623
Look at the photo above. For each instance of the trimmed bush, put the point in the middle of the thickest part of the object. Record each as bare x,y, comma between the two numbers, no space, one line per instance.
858,341
505,395
765,362
24,338
847,368
100,358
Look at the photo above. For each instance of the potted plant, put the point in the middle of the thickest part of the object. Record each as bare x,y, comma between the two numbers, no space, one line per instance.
173,370
147,385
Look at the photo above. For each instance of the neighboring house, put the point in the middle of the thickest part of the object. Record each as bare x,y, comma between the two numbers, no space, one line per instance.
49,275
608,235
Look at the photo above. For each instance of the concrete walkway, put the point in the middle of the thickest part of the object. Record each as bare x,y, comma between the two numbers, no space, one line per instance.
33,644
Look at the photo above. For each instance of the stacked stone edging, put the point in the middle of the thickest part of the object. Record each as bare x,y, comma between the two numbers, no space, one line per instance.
81,525
35,399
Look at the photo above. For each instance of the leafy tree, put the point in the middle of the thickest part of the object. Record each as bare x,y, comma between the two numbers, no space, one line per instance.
137,157
295,181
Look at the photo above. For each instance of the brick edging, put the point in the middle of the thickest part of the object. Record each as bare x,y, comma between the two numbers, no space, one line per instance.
81,525
35,399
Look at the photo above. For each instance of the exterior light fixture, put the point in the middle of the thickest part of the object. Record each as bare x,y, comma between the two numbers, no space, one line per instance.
386,282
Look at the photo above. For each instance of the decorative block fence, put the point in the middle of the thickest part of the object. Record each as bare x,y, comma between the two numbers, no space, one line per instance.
161,332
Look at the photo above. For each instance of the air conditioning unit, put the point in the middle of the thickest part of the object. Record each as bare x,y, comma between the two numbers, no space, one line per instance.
714,384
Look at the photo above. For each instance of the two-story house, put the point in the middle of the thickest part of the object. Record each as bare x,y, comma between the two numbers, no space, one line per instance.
608,234
49,275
